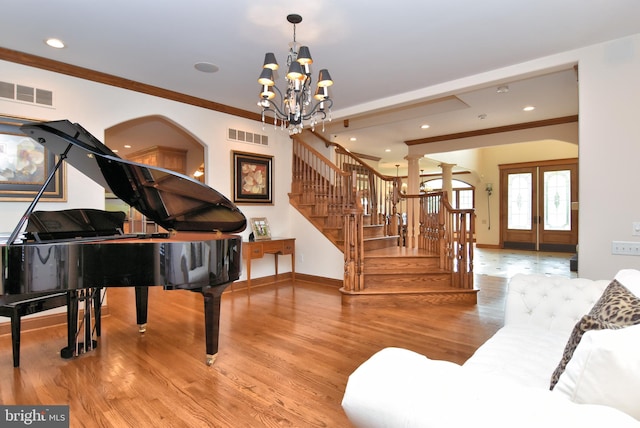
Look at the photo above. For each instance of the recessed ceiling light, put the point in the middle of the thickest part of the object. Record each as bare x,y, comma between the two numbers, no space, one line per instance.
127,146
503,89
425,126
529,108
55,43
206,67
353,139
387,150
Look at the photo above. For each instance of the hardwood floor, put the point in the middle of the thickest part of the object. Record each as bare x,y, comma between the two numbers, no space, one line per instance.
286,351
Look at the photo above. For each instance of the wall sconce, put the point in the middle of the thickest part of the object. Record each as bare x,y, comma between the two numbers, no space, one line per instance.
489,189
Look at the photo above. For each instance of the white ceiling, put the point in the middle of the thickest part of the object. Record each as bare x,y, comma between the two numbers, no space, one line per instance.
373,49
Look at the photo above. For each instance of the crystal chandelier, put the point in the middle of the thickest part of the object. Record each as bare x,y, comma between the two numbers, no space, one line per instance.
297,104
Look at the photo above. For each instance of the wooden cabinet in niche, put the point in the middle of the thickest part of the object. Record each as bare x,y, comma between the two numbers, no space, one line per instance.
164,157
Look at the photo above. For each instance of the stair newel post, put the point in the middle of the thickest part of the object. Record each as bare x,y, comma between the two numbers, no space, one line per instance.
353,236
359,234
349,253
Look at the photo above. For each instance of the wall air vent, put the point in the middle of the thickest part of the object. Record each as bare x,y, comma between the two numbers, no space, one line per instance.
7,90
247,137
44,97
26,94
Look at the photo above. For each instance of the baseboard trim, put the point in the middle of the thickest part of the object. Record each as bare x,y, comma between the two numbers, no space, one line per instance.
272,279
43,321
489,246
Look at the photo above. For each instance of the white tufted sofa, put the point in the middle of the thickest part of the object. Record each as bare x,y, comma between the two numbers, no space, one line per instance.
540,312
505,383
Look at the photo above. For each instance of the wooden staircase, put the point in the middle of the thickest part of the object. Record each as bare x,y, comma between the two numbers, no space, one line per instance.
380,266
393,275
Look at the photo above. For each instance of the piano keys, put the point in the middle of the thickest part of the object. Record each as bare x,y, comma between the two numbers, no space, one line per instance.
199,253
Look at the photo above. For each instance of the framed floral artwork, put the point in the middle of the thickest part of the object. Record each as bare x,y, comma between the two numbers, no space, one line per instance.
25,166
252,178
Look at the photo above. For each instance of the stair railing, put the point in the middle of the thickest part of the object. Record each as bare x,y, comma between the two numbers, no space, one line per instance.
448,232
378,193
321,184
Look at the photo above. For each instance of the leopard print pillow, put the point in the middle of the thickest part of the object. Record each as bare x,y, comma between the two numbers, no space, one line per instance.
585,324
617,305
616,308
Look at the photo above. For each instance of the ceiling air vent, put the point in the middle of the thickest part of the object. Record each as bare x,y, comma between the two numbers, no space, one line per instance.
247,137
26,94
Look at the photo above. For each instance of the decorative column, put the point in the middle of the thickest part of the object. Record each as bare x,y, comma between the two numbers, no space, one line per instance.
413,174
447,176
413,206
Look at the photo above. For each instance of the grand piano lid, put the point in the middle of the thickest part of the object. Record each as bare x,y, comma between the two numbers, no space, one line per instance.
172,200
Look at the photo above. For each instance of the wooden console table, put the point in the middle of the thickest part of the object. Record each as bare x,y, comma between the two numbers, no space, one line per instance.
257,249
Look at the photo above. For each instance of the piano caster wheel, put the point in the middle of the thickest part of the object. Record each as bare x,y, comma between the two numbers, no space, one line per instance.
142,328
211,359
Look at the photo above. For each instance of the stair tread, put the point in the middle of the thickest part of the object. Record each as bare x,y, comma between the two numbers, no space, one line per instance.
431,271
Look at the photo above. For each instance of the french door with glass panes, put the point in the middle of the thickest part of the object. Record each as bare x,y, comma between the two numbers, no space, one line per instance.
536,210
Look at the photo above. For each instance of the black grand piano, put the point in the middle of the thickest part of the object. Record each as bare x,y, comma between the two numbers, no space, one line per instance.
74,251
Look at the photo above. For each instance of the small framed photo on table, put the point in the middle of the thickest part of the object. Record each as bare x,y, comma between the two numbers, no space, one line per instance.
260,227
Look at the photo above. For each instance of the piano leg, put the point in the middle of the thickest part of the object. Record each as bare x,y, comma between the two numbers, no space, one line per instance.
142,303
212,299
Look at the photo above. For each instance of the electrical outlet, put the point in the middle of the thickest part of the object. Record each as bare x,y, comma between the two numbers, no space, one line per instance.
625,248
635,228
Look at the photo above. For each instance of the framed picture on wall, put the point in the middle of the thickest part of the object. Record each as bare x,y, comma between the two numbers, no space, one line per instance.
252,178
25,165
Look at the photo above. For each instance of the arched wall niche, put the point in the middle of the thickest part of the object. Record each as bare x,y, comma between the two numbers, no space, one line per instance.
144,133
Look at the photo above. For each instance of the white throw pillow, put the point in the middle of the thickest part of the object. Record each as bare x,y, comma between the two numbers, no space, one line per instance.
630,278
605,369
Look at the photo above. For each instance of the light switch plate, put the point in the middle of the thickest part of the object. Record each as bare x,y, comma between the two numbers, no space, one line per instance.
625,248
